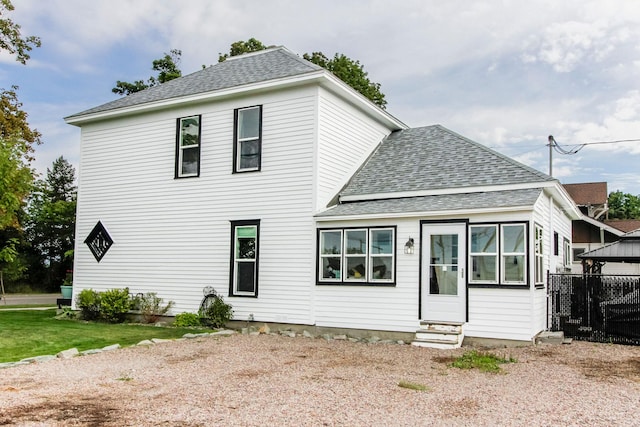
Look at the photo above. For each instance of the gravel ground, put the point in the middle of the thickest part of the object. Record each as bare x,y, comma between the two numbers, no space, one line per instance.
273,380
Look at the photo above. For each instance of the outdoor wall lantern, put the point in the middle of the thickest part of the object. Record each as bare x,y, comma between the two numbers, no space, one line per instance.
408,247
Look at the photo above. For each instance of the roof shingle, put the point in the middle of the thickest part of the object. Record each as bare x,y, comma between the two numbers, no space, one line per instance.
434,158
262,66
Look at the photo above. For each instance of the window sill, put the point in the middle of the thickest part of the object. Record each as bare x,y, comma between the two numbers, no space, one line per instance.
350,284
498,286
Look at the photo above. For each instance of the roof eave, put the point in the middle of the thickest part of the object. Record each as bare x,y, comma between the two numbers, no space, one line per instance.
423,214
443,191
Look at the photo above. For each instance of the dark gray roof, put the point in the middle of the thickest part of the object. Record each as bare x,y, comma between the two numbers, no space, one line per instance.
431,158
627,249
271,64
444,202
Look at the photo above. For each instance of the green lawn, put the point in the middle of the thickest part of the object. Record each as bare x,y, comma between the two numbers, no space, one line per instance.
27,333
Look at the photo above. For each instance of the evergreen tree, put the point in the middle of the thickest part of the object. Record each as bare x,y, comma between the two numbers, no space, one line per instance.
51,225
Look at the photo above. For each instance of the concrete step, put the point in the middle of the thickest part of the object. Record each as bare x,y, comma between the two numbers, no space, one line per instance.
435,343
446,327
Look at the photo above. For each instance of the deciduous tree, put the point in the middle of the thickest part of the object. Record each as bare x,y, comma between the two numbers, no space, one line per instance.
167,68
623,205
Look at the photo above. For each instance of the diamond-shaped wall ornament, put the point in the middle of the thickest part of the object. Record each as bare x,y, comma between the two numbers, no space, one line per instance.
99,241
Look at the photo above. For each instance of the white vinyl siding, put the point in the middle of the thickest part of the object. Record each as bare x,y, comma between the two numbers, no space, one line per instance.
156,250
346,137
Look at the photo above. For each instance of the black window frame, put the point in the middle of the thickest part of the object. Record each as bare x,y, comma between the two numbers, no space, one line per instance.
500,283
179,150
368,281
236,142
233,291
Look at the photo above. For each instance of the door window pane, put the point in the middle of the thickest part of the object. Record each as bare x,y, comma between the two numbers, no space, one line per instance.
443,280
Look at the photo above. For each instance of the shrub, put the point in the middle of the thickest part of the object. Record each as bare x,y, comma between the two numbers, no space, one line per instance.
88,301
151,307
186,319
217,314
114,305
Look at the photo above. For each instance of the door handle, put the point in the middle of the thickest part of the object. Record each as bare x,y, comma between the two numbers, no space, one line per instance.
462,273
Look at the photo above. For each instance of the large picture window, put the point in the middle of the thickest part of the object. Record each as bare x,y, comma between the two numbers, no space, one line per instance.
244,263
188,147
498,254
357,256
247,149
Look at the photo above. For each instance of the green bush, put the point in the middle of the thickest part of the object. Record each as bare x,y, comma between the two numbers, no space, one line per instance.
88,301
114,305
186,319
217,314
151,307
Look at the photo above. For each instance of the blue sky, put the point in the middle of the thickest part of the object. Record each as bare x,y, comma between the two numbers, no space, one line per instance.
504,73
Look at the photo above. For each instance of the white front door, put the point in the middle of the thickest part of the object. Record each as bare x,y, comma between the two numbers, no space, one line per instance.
443,284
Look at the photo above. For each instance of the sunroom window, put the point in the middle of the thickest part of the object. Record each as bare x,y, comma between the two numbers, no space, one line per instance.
513,253
188,147
248,139
484,254
356,256
498,254
539,248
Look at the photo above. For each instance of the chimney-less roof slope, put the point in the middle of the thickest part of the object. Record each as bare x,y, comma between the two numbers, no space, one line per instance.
256,67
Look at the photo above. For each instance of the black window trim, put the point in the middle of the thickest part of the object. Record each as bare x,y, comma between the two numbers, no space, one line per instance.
177,174
528,249
235,139
342,283
240,223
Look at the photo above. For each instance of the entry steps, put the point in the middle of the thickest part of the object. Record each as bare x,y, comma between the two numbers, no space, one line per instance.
443,335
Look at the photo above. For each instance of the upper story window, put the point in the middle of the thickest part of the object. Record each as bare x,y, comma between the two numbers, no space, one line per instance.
357,256
498,254
247,149
188,147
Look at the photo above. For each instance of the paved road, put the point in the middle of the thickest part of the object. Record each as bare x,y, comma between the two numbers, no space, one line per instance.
32,299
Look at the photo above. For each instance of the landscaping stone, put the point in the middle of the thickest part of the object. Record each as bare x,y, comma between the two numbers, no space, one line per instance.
68,354
225,332
159,340
190,336
111,347
12,364
39,359
264,329
353,339
290,334
307,334
374,339
340,337
92,351
254,333
145,342
327,337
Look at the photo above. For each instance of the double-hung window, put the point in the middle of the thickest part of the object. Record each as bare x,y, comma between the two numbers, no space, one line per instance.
484,253
247,149
498,254
356,256
566,254
244,258
539,248
514,267
188,147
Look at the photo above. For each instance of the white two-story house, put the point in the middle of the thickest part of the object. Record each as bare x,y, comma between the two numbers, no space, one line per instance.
303,203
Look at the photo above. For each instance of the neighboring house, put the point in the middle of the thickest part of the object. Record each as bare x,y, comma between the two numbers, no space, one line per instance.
591,231
302,202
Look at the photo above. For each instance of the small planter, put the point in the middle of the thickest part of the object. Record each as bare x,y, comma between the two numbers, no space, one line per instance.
67,291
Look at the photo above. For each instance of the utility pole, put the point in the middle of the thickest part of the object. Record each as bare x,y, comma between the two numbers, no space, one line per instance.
551,144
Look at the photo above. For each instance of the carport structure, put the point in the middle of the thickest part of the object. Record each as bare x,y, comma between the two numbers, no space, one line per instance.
626,250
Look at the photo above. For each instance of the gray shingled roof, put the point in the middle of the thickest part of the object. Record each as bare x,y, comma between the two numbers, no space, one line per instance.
444,202
271,64
627,249
431,158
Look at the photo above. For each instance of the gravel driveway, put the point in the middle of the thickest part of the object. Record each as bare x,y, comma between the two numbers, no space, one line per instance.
272,380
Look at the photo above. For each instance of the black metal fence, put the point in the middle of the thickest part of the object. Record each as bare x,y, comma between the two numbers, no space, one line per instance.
595,308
